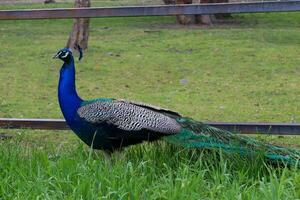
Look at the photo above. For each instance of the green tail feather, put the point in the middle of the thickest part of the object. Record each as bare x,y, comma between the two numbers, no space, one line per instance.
199,135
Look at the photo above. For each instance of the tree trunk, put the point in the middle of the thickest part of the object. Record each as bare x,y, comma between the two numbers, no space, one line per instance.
185,19
202,19
80,33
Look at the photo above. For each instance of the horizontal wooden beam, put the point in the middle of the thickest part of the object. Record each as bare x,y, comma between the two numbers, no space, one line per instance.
162,10
241,127
40,124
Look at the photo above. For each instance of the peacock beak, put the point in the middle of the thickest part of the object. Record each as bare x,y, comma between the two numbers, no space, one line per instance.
56,55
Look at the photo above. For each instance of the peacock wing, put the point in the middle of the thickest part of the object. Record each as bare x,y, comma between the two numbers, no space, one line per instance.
154,108
129,116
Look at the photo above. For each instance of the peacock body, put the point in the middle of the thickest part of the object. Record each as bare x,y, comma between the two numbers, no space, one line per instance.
111,124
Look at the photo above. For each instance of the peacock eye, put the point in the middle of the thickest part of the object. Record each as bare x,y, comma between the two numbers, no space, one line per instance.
64,54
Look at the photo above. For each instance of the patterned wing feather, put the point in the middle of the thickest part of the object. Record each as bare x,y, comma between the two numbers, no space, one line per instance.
154,108
128,116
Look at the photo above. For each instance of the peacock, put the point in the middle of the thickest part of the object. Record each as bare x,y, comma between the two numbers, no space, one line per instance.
110,124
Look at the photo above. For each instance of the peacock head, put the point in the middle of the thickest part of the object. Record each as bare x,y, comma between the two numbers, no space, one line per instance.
66,55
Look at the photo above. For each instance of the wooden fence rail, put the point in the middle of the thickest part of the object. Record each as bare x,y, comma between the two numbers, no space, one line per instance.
241,127
162,10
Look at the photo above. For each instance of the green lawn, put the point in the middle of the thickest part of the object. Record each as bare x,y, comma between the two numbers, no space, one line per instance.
247,70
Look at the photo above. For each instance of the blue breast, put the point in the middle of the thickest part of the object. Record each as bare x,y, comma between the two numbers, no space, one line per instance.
69,102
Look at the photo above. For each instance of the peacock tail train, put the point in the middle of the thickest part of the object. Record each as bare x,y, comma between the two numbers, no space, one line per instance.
199,135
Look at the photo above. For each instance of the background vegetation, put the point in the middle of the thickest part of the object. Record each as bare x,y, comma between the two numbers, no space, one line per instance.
244,70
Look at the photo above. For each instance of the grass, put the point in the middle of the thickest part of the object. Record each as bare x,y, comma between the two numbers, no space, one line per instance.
243,71
32,171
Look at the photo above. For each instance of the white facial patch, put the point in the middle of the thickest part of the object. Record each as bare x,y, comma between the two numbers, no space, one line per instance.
64,56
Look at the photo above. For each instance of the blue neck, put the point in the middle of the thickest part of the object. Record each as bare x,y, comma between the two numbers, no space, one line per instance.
69,100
